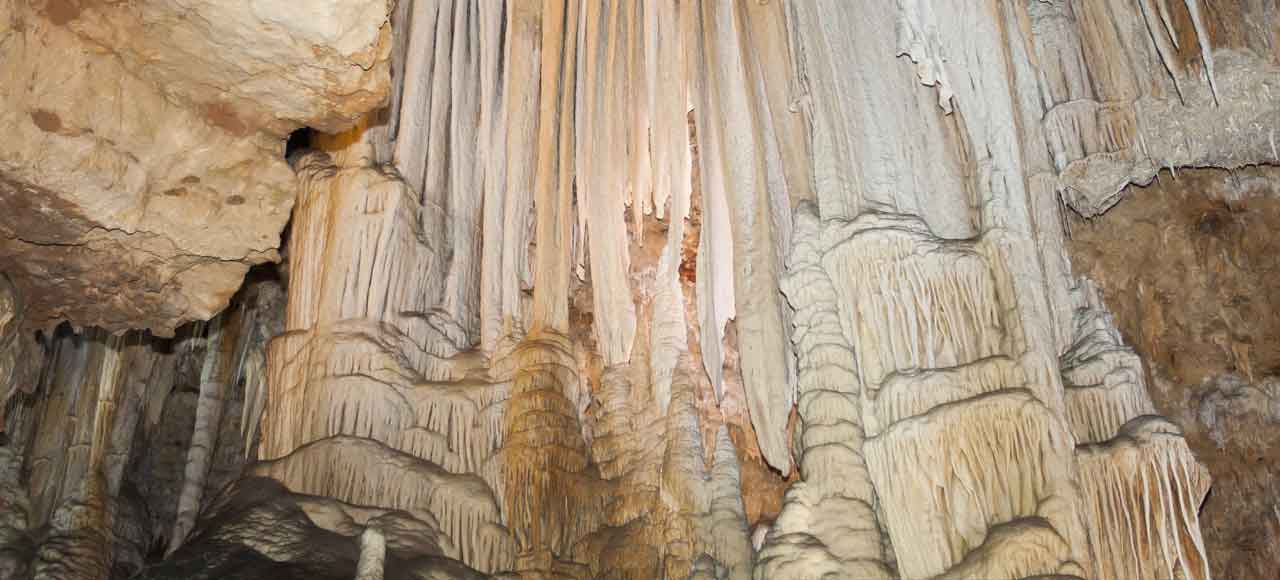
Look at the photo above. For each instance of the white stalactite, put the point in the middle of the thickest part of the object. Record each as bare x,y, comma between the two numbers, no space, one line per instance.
731,86
213,388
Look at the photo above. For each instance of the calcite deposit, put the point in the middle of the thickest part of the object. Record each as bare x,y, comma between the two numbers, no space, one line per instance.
714,289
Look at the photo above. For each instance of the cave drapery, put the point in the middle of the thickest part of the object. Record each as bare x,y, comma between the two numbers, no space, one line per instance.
571,286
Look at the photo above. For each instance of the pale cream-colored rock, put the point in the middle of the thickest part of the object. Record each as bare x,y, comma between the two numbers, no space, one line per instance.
141,174
247,65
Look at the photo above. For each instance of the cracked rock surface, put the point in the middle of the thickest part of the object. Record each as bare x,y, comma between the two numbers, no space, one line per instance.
142,171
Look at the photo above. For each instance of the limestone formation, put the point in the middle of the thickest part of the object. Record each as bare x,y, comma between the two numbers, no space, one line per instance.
567,280
143,172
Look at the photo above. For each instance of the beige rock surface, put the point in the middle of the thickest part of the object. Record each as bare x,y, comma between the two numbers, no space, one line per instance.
142,173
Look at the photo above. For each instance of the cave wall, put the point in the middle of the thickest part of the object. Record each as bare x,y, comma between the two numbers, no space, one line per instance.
158,423
1188,266
576,289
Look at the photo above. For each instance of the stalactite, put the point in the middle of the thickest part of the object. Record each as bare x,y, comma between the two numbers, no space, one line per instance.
491,150
731,86
213,387
520,94
668,94
1165,39
16,369
554,203
255,399
1144,490
877,138
602,185
1202,38
715,256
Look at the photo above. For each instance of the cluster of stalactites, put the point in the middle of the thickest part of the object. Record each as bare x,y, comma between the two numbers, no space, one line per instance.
1140,483
493,452
98,394
528,132
369,399
1124,97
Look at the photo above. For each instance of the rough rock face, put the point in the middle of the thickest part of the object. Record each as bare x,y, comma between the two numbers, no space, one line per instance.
598,265
1189,265
142,173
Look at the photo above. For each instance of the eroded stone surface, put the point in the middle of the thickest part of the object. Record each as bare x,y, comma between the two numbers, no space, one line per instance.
141,173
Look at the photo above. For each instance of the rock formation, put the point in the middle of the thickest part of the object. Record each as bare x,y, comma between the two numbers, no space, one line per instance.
142,176
574,288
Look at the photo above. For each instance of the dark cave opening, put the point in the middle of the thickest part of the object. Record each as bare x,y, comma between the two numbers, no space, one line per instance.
298,141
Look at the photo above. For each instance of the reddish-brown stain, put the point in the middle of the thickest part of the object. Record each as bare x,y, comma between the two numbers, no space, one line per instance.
61,12
223,117
191,180
175,192
47,121
235,200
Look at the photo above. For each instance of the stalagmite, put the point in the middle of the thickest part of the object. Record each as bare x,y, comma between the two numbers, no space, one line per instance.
213,386
728,525
373,554
544,461
804,540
